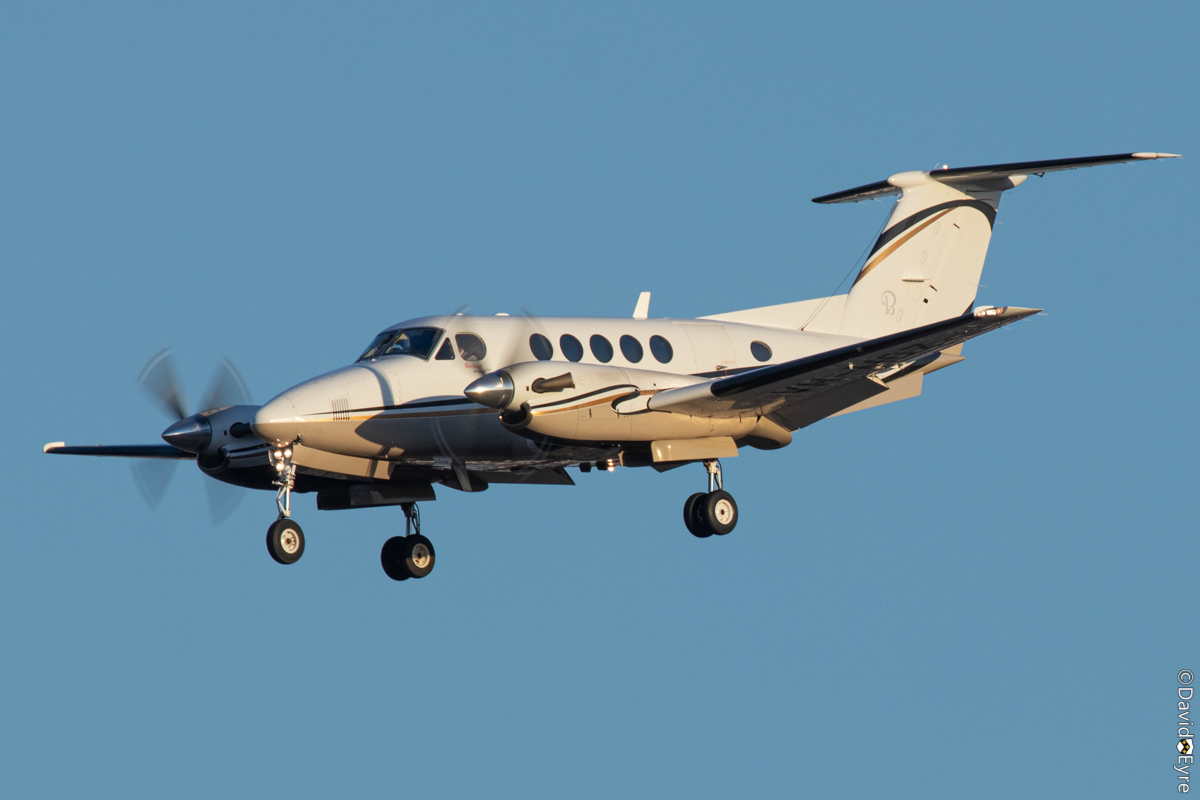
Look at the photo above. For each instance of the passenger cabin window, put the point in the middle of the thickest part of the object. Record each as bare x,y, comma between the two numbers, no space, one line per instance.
376,345
417,342
570,346
601,348
661,349
470,347
760,350
445,352
540,347
631,348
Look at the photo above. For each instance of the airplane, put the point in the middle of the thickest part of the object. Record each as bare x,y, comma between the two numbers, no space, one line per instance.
467,401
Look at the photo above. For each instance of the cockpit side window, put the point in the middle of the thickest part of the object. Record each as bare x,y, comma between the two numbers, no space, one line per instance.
417,342
445,352
470,347
376,345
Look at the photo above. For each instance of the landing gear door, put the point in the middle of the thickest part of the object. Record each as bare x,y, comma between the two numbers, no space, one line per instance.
710,345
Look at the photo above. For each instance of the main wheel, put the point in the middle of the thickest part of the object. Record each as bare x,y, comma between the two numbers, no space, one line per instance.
285,541
718,512
392,558
691,516
418,555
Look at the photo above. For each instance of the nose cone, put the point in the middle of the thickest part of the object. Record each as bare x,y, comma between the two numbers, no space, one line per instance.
494,390
191,434
276,421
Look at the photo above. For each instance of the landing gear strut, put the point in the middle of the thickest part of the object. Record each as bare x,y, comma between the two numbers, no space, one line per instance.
410,555
714,511
285,539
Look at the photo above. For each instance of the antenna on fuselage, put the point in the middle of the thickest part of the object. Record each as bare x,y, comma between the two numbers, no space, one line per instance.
642,309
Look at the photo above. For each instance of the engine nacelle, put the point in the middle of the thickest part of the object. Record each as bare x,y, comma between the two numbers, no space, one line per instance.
594,403
212,434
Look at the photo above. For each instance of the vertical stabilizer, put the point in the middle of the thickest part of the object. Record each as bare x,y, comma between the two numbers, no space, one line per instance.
926,264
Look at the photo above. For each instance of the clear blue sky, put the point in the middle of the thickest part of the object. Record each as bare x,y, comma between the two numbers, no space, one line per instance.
987,591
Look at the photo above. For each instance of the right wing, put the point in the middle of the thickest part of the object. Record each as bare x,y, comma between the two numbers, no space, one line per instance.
798,393
119,450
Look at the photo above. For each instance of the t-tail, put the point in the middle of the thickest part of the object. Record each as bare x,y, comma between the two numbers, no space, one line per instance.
925,266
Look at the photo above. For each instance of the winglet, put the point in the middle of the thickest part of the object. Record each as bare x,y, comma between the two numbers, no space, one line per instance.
642,309
50,448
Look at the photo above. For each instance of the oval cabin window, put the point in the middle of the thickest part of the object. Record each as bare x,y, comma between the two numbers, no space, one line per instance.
631,348
601,348
660,348
570,346
541,347
760,351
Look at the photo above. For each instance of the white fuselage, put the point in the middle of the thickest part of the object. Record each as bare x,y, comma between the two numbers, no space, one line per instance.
412,410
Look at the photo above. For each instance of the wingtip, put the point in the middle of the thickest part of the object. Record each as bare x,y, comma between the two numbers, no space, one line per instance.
52,446
1157,155
1006,311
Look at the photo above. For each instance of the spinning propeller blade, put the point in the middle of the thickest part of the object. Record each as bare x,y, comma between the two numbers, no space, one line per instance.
159,380
227,387
519,350
223,499
153,476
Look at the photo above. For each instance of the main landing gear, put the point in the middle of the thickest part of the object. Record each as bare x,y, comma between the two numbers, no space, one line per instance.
714,511
410,555
285,539
403,557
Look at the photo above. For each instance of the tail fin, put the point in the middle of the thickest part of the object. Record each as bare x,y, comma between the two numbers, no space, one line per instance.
925,266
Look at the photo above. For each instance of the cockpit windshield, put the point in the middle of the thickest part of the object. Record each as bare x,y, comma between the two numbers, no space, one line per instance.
417,342
376,345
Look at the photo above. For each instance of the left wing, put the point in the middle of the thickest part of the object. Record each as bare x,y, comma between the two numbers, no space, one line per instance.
798,393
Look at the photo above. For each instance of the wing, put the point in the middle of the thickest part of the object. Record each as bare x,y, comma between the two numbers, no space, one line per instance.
798,393
119,450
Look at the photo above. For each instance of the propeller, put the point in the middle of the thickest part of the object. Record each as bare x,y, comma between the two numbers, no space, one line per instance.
517,352
160,381
519,348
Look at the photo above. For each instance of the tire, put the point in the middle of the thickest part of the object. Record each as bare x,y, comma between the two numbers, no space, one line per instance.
719,512
691,516
419,557
392,558
285,541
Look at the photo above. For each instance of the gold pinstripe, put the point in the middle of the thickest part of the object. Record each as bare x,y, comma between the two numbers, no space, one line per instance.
891,248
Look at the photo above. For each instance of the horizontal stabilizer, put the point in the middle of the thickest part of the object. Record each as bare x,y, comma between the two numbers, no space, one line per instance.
960,177
119,450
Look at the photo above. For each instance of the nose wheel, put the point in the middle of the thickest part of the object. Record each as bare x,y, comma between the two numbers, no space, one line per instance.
285,539
711,512
411,555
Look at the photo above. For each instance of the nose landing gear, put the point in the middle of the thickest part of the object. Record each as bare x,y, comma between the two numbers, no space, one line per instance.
410,555
711,512
285,539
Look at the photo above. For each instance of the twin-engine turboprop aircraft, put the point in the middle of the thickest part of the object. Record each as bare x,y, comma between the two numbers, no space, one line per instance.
471,401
